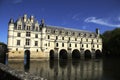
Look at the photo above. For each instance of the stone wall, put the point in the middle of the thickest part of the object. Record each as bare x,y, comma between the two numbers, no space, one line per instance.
8,73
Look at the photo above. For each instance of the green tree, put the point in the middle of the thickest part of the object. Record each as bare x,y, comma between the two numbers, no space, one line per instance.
111,42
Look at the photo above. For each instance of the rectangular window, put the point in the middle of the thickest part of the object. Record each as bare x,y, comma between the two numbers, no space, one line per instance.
36,43
48,44
62,44
27,42
28,27
36,28
97,46
69,45
18,34
69,38
56,44
87,45
82,45
18,42
48,36
19,27
27,34
56,37
75,45
36,35
75,39
62,38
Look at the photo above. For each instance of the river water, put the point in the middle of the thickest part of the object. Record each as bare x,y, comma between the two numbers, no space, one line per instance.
92,69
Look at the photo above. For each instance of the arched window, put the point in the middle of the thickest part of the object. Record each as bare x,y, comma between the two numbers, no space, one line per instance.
70,45
75,45
56,44
62,38
48,36
62,44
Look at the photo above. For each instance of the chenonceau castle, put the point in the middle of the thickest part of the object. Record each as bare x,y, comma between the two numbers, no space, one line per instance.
27,37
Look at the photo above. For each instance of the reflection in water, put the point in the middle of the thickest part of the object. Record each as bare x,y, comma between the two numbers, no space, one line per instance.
26,65
63,70
92,69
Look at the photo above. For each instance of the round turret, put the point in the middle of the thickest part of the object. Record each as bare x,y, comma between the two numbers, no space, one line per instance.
11,24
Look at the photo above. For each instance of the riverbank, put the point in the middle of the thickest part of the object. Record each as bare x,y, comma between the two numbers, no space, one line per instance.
7,73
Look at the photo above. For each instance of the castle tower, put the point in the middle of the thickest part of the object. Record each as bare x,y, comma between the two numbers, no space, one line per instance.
43,35
10,33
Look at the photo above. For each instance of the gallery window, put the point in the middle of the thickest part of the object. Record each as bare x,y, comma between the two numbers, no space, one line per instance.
56,37
36,35
27,42
48,36
27,34
56,44
18,42
19,27
62,44
36,43
28,27
62,38
18,34
75,45
70,45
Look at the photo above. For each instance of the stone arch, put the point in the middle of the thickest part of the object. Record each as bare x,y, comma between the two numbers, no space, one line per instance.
87,54
51,54
26,56
76,54
63,54
98,53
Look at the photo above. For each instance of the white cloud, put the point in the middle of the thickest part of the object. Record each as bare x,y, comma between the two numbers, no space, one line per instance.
76,17
101,22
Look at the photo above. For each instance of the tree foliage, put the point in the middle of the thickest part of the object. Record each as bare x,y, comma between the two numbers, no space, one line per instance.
3,48
111,42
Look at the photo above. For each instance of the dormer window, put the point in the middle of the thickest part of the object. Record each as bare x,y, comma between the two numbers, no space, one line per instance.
73,33
36,28
19,27
28,27
69,33
56,31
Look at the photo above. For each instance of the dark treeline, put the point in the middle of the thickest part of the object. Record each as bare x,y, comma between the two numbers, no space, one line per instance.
111,42
3,48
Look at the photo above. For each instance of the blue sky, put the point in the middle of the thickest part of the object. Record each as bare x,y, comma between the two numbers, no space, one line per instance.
78,14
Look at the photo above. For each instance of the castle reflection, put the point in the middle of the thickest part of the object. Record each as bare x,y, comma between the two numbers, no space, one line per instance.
63,70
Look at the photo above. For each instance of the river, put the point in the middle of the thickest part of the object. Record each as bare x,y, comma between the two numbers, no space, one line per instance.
92,69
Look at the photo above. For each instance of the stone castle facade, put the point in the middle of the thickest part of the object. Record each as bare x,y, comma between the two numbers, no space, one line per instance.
26,35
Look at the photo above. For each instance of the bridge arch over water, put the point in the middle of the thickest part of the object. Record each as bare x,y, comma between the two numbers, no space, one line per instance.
87,54
52,53
98,53
63,54
76,54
